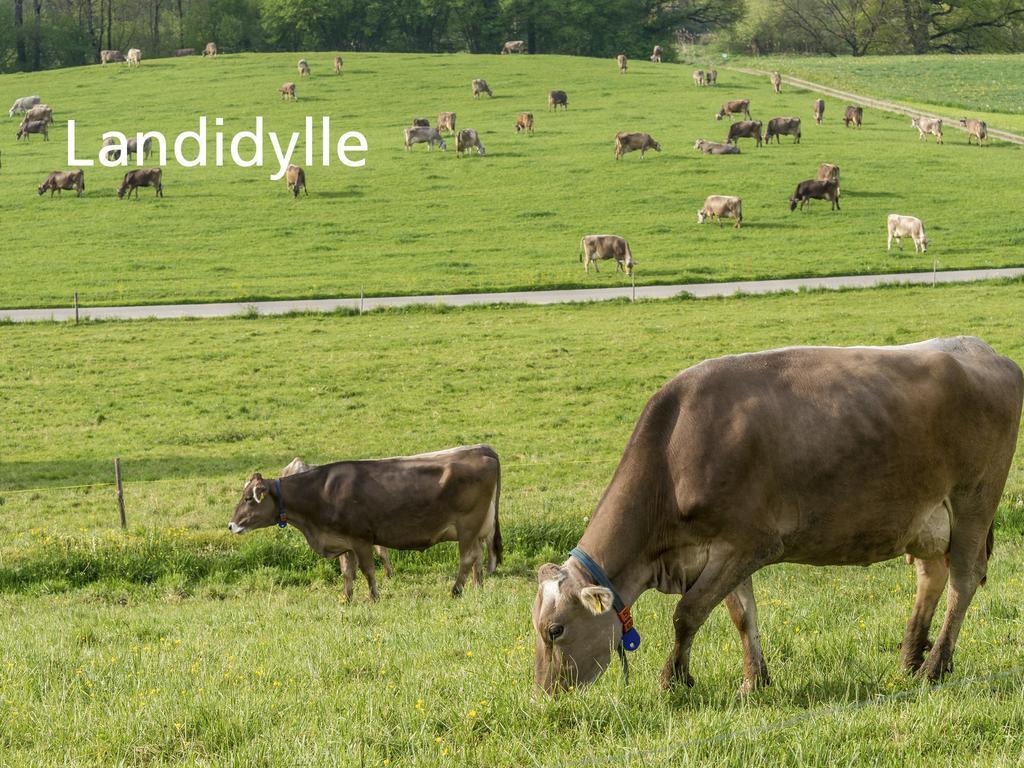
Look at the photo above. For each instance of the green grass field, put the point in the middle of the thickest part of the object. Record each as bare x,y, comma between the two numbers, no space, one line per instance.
989,86
423,223
178,644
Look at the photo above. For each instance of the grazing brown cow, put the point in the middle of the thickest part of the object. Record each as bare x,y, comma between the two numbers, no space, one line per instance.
29,127
524,122
420,122
976,129
337,65
713,148
514,46
295,178
39,112
783,126
132,147
110,56
596,247
730,108
466,140
406,502
656,55
303,67
817,190
210,50
142,177
720,206
622,62
558,99
828,172
287,91
479,87
629,142
813,455
711,77
745,129
776,79
698,77
185,52
853,115
819,110
446,122
926,126
59,180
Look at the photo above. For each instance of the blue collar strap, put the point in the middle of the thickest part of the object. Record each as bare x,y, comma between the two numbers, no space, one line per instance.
630,636
282,516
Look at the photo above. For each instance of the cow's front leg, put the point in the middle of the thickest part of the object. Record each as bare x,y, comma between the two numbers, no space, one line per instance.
743,611
369,568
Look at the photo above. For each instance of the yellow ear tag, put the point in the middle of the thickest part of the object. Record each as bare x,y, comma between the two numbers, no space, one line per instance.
598,607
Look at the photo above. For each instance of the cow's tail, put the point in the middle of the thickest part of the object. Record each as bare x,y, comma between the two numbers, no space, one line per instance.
495,550
581,250
990,542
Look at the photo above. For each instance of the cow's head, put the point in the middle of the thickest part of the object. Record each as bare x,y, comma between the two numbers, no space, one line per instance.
655,146
792,204
256,509
702,215
924,245
42,187
720,115
575,627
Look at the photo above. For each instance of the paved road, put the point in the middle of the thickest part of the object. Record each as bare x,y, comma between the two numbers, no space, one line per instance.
698,290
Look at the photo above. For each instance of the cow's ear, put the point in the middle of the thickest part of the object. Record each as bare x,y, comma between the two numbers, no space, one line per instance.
256,476
597,600
548,571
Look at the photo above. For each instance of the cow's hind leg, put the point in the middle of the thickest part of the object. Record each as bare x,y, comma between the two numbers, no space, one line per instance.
347,564
369,568
385,559
469,554
743,611
931,580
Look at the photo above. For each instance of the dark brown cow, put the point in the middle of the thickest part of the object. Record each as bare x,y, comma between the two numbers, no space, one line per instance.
28,127
817,190
420,122
630,142
142,177
711,77
745,129
819,110
853,115
558,99
783,126
59,180
814,455
407,502
730,108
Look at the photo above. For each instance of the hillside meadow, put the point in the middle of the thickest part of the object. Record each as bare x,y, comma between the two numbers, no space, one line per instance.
175,643
421,222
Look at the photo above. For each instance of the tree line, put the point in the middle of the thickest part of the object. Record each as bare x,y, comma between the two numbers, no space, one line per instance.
40,34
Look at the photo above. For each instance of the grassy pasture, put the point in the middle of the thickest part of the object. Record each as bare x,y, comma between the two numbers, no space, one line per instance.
423,223
178,644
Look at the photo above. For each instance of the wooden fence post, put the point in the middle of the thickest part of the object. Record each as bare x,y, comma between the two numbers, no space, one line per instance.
120,491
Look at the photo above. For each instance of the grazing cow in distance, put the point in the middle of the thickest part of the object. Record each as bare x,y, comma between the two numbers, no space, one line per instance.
597,247
976,129
185,52
110,56
142,177
828,172
776,79
656,55
711,77
40,112
713,148
405,502
287,91
853,115
731,108
134,58
817,190
337,65
24,104
420,122
446,122
424,135
558,99
622,62
906,226
466,140
59,180
926,126
745,129
513,46
29,127
295,178
303,66
479,87
210,50
783,126
812,455
719,206
819,110
524,122
630,142
698,77
132,147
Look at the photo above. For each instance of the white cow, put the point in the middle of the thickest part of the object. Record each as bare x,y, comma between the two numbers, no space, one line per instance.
24,104
134,57
926,126
907,226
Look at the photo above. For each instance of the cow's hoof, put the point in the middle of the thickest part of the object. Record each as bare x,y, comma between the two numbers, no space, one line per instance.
671,679
456,591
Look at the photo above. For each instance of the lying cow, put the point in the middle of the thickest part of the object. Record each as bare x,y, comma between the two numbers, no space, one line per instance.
719,206
976,129
142,177
24,104
622,62
111,56
424,135
446,122
783,126
730,108
303,67
287,91
630,142
745,129
28,127
295,178
480,87
711,77
906,226
513,46
210,50
656,55
338,62
59,180
524,122
347,560
134,58
928,126
408,502
466,140
698,77
712,148
599,247
813,455
817,190
558,99
827,171
853,115
776,79
819,110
